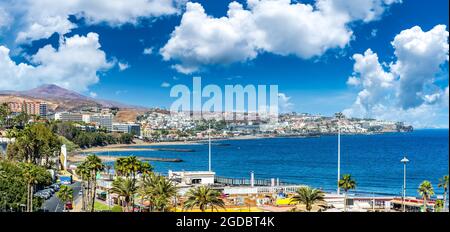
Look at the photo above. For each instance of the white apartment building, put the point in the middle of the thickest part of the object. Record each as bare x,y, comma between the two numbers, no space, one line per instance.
130,128
103,120
69,117
86,118
188,178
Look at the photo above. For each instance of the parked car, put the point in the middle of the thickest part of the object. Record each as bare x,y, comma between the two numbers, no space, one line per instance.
47,193
68,205
48,188
43,194
38,194
55,187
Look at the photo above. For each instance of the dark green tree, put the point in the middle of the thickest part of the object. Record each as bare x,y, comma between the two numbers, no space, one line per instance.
203,197
308,196
347,183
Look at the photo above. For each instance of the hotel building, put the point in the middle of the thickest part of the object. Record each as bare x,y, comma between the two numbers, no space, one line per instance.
69,117
103,120
130,128
31,108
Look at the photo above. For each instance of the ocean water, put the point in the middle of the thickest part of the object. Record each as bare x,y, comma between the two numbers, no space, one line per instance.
372,160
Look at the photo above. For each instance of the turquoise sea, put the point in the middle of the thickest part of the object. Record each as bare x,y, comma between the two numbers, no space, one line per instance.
373,160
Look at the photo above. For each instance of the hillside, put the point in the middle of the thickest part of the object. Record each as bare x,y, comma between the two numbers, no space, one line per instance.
128,115
60,99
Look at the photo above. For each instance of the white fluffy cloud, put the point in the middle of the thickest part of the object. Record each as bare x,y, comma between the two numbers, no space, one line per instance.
419,56
366,10
74,65
201,39
406,89
275,26
123,66
39,19
377,84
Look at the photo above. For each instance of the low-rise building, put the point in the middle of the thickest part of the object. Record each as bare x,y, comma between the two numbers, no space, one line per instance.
130,128
188,178
69,117
86,118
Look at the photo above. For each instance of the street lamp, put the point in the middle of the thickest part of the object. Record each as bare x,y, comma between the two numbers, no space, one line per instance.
404,161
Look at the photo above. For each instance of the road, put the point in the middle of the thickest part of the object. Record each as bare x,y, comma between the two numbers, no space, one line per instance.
53,204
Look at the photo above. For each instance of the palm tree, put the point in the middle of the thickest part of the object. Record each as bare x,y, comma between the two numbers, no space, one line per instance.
131,166
128,166
94,164
119,167
126,188
158,190
36,141
33,175
21,119
346,183
438,205
30,173
443,183
85,174
426,191
308,196
4,113
146,168
65,194
203,197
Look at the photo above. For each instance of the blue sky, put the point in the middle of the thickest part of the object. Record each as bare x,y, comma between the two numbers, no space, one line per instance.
316,84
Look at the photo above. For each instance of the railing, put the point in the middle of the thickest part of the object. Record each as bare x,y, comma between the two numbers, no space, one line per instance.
275,189
246,182
379,202
261,189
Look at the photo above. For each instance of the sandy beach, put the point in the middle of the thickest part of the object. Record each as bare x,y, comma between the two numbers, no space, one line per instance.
80,155
106,158
147,146
132,147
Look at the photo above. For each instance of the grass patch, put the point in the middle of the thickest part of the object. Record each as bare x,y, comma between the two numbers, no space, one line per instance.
116,208
98,206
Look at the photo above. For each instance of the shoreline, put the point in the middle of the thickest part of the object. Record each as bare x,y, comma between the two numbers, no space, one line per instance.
133,147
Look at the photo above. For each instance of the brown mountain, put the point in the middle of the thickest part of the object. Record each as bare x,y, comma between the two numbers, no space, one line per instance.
60,99
54,92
